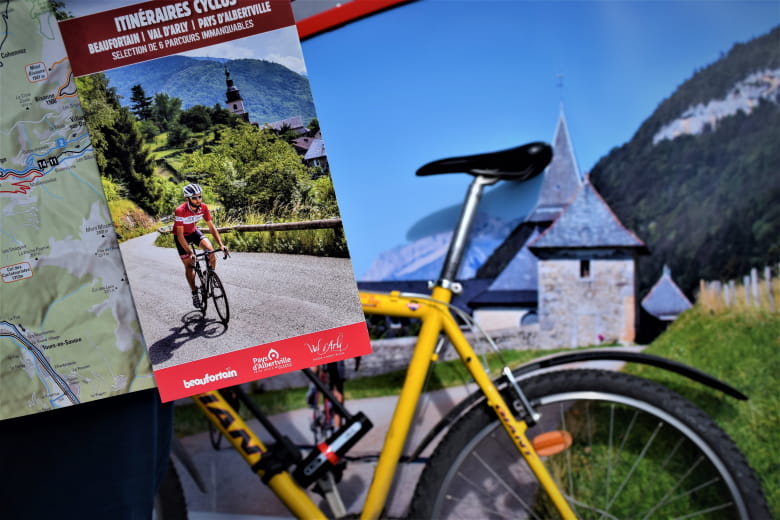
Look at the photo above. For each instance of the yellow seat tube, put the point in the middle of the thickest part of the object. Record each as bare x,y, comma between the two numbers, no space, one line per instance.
404,411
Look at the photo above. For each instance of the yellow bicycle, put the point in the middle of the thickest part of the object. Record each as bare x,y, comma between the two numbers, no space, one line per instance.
541,441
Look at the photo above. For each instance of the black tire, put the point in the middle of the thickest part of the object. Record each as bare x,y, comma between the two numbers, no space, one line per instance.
204,293
170,504
220,298
215,436
633,441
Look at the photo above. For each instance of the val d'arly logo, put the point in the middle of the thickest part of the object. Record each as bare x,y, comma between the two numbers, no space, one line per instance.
331,347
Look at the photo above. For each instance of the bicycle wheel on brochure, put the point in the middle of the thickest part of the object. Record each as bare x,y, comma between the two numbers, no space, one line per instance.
220,298
204,294
637,451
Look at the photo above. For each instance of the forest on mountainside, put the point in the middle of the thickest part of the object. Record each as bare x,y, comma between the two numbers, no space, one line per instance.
705,204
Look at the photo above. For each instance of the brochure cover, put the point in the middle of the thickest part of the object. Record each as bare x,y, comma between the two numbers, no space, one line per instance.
205,132
69,333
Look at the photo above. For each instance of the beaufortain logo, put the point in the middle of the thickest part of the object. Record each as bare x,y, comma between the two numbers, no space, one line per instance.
272,360
210,378
328,347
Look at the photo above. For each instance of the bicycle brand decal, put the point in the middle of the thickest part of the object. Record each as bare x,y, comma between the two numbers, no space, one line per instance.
413,306
225,417
369,301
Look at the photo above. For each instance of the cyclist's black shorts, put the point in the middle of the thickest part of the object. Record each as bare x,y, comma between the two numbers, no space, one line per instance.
192,238
336,375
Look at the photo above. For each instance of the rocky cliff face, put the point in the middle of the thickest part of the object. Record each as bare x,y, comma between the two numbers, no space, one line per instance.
744,97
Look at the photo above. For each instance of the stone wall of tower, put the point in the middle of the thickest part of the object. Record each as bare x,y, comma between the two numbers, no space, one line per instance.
577,310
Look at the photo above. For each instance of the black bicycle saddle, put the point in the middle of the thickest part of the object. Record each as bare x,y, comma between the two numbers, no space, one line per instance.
518,164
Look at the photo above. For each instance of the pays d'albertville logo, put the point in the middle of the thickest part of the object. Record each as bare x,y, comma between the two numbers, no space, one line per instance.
270,361
328,348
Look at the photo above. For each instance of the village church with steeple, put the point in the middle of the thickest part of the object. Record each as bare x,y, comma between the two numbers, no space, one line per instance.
569,268
566,276
233,100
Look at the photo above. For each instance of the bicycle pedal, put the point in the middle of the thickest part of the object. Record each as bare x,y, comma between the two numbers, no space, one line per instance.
551,443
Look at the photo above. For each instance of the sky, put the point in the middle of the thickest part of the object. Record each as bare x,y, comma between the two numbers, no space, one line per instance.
441,78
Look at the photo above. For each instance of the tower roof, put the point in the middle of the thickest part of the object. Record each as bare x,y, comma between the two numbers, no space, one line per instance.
521,272
562,178
587,222
316,150
232,93
665,300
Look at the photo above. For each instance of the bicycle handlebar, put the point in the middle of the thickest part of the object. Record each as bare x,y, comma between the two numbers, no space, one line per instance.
214,251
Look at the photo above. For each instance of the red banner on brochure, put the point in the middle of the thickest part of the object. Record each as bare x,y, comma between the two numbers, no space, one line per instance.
149,30
266,360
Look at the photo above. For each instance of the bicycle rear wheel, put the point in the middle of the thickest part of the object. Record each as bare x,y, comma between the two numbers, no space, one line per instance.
637,451
219,297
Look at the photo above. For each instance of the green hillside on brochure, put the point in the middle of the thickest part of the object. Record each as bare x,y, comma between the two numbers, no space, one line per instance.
271,92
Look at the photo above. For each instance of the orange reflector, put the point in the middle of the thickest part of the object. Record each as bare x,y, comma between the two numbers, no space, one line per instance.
551,443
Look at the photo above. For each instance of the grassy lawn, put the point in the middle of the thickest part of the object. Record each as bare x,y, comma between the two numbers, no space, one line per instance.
742,348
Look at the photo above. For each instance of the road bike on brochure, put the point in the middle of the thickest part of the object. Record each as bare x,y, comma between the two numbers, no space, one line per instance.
540,441
325,417
209,285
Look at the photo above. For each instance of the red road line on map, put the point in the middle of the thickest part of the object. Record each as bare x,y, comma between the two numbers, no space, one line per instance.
22,188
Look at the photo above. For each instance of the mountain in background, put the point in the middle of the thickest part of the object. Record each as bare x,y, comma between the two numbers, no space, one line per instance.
700,180
422,259
271,92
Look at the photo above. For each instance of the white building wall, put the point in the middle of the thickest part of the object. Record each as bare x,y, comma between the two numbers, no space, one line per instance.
577,310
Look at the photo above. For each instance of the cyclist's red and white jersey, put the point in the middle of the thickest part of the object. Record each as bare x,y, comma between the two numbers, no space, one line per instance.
188,219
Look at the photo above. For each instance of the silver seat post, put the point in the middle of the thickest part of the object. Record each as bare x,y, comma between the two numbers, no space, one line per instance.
461,235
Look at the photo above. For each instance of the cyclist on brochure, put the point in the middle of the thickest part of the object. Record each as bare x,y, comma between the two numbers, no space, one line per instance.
185,232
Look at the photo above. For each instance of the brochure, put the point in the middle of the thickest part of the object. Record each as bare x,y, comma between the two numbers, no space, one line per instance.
210,96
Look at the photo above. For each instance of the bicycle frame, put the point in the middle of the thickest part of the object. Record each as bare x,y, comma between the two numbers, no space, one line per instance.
201,272
436,319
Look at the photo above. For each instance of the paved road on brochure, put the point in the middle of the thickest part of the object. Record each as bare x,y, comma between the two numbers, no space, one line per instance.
272,297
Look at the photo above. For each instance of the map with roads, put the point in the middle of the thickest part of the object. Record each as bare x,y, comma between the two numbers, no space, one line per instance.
69,332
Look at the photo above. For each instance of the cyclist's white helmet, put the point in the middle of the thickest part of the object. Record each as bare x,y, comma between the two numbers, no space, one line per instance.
191,190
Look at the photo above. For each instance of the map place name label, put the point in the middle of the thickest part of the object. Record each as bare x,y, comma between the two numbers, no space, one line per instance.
16,272
36,71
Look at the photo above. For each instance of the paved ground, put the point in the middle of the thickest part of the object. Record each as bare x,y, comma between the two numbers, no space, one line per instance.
234,490
235,493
